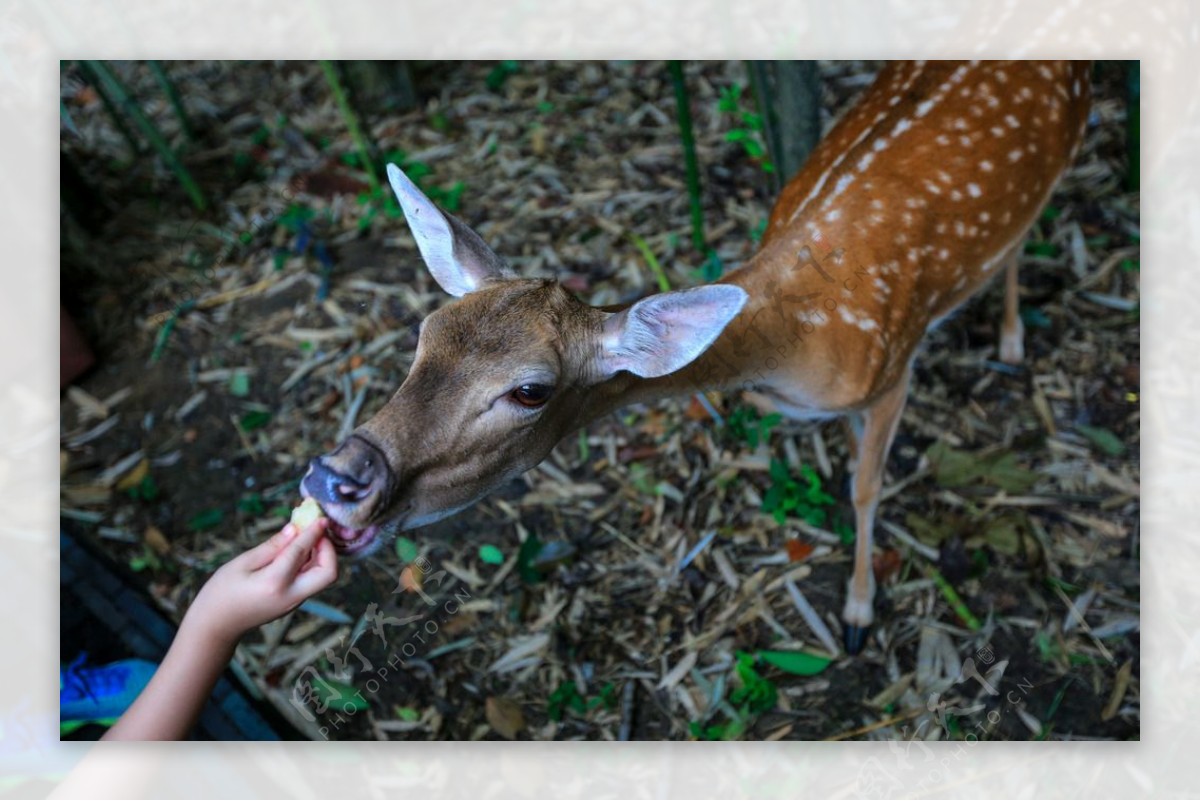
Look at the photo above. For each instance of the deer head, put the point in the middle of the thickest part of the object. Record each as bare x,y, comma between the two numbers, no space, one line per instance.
499,377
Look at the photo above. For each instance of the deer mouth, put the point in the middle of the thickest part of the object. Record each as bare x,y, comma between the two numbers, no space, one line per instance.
352,541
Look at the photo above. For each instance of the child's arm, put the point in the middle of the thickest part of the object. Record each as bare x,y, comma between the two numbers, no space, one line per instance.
261,585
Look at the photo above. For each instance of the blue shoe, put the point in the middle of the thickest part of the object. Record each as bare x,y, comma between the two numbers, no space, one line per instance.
99,694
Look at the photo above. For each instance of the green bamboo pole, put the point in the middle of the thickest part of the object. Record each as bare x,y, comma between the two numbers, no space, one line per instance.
149,130
111,106
683,113
172,93
360,141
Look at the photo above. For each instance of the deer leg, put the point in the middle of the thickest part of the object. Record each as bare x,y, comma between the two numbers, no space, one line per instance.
879,423
1012,331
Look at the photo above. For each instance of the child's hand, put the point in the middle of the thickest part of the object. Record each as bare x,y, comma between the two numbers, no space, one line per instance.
264,583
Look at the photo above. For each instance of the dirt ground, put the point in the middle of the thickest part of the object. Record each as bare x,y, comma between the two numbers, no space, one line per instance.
630,572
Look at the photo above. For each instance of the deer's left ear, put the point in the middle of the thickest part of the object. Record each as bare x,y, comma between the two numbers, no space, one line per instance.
458,258
662,333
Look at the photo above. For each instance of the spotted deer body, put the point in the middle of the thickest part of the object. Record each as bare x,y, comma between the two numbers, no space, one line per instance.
918,196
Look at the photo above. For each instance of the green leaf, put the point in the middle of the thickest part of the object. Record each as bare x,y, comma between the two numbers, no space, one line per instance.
1034,318
752,120
1102,438
205,520
756,692
798,663
953,468
931,532
407,714
1041,248
545,107
736,135
252,504
344,696
406,549
255,419
491,554
1004,534
779,471
526,556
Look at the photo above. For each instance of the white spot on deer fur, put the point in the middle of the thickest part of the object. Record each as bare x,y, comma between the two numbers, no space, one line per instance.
960,228
932,187
985,165
943,254
1014,154
960,124
942,140
879,144
984,216
895,99
944,177
1032,147
912,254
876,219
1045,72
865,161
1012,121
1025,93
867,324
915,202
941,228
964,140
841,185
876,203
902,238
955,194
924,106
833,215
1075,87
973,190
907,218
1001,76
960,283
901,126
1006,217
997,131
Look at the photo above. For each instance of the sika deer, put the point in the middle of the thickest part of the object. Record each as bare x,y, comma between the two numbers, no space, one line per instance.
916,198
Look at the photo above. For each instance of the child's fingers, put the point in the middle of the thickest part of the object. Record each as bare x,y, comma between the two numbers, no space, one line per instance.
262,554
319,573
288,561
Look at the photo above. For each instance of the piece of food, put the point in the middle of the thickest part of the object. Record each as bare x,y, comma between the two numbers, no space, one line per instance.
307,513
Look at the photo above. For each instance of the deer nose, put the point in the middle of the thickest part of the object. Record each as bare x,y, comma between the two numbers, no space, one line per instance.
348,475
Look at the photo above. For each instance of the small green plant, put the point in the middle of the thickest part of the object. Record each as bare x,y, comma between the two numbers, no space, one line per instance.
144,490
805,500
745,425
748,126
499,75
567,696
755,696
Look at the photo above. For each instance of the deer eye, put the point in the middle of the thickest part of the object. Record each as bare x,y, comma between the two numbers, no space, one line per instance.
532,396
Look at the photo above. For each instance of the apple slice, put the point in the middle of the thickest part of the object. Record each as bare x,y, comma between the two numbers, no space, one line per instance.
306,514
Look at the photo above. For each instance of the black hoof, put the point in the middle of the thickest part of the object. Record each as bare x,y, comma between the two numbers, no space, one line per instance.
854,637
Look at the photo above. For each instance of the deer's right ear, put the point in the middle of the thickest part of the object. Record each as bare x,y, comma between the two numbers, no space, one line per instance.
459,259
